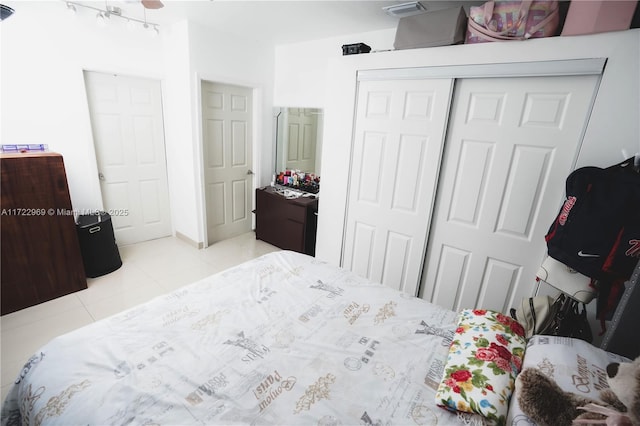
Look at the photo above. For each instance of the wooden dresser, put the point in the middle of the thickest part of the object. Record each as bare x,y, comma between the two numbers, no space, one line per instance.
288,224
40,253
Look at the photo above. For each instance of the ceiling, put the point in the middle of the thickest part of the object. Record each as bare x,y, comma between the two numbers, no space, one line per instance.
278,21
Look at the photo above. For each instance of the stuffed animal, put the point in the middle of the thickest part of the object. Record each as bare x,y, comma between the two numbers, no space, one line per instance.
544,402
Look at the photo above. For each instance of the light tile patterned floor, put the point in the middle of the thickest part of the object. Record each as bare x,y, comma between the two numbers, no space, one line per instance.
149,269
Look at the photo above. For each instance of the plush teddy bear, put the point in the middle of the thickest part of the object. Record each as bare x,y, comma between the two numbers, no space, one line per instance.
542,400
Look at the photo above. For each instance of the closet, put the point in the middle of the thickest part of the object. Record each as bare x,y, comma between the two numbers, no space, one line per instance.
507,138
442,179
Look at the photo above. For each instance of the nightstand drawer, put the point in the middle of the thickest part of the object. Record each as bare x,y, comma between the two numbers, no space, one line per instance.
296,213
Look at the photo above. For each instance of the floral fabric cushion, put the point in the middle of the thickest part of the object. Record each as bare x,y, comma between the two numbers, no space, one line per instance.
484,359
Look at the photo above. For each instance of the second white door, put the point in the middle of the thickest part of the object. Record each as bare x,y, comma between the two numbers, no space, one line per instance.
511,144
227,139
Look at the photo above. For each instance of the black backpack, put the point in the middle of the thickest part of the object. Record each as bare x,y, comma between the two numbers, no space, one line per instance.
597,231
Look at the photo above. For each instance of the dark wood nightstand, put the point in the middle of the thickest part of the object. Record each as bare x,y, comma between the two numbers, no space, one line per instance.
286,223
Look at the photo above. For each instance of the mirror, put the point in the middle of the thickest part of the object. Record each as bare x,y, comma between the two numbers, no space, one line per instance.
298,139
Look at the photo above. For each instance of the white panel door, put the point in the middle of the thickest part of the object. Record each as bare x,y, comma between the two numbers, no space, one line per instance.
511,144
302,129
227,139
399,134
128,133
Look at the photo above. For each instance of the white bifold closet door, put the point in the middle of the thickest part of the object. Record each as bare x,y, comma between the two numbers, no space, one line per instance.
511,143
399,136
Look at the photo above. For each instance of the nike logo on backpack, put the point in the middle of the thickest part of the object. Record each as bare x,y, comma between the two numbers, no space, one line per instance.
582,254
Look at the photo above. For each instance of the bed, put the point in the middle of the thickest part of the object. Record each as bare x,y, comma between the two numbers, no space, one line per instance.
282,339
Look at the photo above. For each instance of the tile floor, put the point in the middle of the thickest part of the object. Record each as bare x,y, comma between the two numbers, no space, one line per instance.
149,269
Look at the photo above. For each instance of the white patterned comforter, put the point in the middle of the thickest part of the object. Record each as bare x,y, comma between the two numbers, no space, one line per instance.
283,340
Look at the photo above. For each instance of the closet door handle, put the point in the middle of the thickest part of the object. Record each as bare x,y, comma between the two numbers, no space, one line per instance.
101,177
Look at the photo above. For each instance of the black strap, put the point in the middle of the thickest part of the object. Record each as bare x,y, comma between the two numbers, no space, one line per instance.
533,314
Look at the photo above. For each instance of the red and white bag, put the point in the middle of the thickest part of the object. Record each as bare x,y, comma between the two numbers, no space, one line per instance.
512,20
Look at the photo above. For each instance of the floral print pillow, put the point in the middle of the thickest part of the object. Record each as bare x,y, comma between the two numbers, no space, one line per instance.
484,359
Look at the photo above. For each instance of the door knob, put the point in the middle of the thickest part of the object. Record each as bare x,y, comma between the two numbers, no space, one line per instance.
250,172
101,176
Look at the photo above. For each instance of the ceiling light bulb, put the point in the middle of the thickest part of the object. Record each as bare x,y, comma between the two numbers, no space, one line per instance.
101,19
151,29
71,9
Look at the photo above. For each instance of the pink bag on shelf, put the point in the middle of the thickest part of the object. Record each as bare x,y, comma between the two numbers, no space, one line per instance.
512,20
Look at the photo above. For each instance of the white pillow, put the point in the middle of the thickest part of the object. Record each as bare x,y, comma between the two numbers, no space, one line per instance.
575,365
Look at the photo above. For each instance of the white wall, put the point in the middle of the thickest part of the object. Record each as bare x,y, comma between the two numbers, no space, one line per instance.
43,98
179,131
193,54
301,68
244,63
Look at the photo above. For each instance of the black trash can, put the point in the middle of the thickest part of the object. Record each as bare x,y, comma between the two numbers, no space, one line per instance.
100,253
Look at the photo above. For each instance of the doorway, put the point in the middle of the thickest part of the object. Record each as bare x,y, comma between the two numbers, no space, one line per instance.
227,128
128,133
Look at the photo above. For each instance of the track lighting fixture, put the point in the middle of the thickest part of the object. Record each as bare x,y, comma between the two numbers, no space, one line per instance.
153,28
104,15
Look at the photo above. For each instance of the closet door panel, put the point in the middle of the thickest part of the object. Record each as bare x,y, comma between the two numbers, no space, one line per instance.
511,141
397,149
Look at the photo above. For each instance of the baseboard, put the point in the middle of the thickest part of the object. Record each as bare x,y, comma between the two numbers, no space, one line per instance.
189,241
